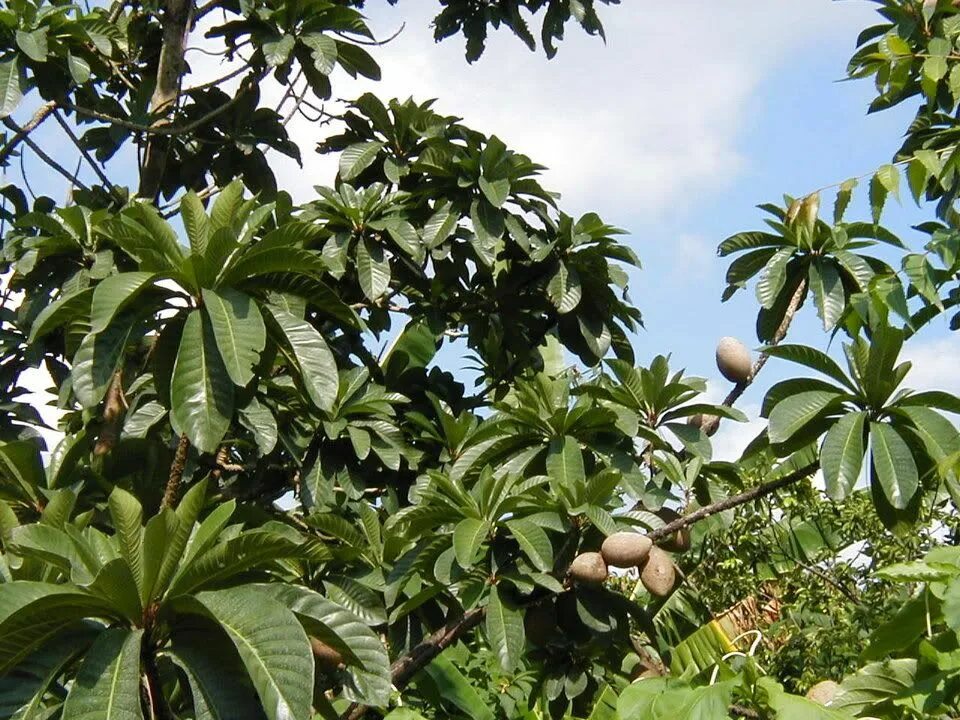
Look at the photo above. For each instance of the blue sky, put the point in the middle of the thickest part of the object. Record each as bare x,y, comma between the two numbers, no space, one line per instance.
691,114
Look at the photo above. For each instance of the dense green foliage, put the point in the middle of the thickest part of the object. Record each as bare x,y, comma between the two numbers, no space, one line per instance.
254,513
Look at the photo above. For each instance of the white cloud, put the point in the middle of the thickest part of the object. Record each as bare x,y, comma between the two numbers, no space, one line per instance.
935,363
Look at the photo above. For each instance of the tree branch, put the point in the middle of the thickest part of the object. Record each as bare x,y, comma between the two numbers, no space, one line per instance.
110,187
38,117
406,666
172,490
25,137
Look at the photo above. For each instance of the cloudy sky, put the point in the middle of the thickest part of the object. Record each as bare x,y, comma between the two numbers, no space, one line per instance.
687,117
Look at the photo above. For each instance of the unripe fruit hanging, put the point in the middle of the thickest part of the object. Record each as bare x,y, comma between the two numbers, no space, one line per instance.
733,360
626,549
327,658
589,568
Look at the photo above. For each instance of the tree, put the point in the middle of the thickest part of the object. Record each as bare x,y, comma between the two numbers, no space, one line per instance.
252,513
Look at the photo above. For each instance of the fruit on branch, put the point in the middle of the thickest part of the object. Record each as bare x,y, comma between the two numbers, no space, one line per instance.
678,541
658,574
540,623
626,549
704,421
823,692
589,568
733,360
327,658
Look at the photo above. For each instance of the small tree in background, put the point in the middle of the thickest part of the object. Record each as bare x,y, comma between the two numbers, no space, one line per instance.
254,514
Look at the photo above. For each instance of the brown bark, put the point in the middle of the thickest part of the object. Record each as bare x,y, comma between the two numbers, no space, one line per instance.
172,490
20,134
163,103
113,411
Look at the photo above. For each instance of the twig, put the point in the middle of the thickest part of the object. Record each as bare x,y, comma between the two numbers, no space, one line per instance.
42,113
43,156
176,473
111,188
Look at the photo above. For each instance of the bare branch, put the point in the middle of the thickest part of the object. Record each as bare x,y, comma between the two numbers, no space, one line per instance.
38,117
72,177
172,491
86,155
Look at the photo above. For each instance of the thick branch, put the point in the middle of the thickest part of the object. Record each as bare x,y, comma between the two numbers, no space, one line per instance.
405,667
711,426
42,113
176,26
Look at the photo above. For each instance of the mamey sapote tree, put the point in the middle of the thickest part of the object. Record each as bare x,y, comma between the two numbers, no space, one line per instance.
249,511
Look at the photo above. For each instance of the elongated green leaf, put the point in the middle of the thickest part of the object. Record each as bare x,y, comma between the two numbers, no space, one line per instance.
187,513
534,542
127,515
748,241
564,289
113,294
774,277
11,89
794,707
874,684
496,191
827,292
61,312
99,357
257,418
357,157
467,538
373,269
20,462
455,688
272,646
811,358
218,683
196,222
368,665
895,468
505,631
939,436
933,398
108,683
239,331
201,393
841,456
357,598
565,461
796,411
440,226
33,612
318,369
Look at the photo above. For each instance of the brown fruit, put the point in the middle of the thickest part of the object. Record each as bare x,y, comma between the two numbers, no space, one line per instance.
823,692
733,360
658,575
702,421
589,568
680,540
328,658
540,623
626,549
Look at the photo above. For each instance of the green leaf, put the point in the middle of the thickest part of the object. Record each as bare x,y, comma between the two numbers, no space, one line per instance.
33,44
565,461
938,434
533,541
196,222
841,456
874,684
239,331
11,88
258,419
895,469
843,199
373,269
108,682
61,311
468,535
505,631
791,414
811,358
496,191
272,645
356,158
223,214
277,50
827,292
357,598
201,393
114,293
564,289
127,515
79,68
878,197
455,688
794,707
318,368
20,462
99,357
218,683
922,277
774,277
440,226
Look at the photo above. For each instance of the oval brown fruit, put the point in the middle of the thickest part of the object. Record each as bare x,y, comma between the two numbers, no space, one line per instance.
733,360
327,657
626,549
823,692
589,568
658,575
680,540
704,421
